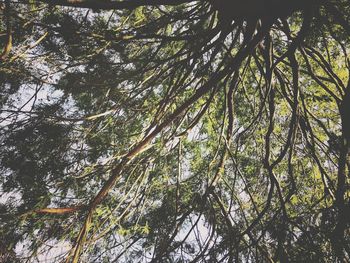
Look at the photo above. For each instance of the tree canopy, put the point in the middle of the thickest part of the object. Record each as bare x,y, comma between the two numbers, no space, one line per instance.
175,131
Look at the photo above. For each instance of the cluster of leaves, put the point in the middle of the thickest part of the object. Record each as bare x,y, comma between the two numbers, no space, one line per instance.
175,133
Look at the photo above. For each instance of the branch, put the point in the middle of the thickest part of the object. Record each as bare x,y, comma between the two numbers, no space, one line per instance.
59,211
8,43
109,5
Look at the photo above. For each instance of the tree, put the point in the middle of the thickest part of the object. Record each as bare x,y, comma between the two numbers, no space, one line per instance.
175,131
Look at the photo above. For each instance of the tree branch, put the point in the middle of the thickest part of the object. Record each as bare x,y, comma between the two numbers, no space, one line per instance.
109,5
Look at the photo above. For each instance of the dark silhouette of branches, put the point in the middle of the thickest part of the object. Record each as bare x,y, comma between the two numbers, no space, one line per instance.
176,131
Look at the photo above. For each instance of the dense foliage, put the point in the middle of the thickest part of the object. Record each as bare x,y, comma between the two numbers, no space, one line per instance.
175,131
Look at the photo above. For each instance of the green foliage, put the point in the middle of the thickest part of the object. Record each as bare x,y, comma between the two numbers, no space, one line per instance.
175,134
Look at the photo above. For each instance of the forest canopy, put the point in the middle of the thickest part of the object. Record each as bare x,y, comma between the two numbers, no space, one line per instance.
175,131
